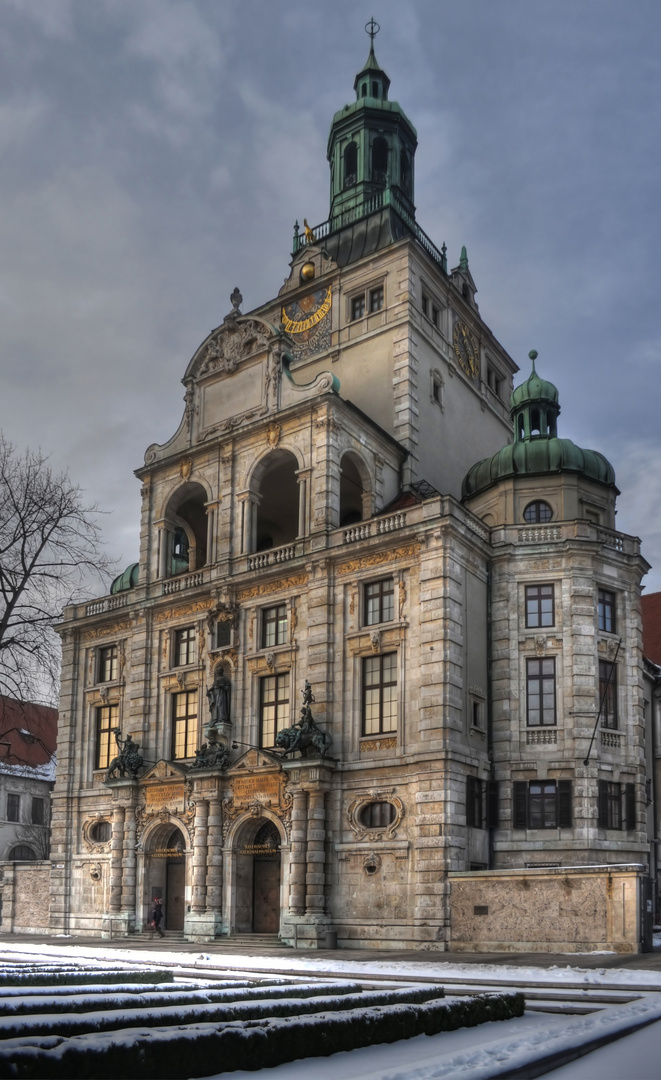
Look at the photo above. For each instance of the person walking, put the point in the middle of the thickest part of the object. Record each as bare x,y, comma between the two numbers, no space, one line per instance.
157,916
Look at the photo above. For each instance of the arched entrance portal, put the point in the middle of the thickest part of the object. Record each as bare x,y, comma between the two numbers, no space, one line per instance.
166,874
258,866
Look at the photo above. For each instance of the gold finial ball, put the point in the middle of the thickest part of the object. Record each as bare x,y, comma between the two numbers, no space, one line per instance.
532,355
307,271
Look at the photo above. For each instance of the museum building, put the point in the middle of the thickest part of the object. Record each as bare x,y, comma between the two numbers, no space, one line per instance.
382,639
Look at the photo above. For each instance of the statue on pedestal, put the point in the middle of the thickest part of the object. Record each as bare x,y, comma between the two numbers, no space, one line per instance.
305,736
128,760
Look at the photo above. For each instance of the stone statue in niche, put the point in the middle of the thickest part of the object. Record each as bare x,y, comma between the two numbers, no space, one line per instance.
305,736
219,701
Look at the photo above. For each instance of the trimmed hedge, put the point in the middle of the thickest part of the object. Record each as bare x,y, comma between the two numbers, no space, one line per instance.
176,1054
80,978
287,1004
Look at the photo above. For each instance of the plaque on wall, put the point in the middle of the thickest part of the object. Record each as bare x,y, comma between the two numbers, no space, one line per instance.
168,796
248,788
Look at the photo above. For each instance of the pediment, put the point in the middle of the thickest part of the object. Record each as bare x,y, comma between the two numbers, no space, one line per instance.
164,770
253,759
238,339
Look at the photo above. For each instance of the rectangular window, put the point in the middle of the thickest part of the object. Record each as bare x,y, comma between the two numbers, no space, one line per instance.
184,724
436,316
274,707
380,694
185,646
425,305
379,602
357,307
609,805
376,298
542,804
494,381
608,694
13,808
108,664
540,608
107,718
477,719
274,626
224,634
474,803
37,810
606,609
540,696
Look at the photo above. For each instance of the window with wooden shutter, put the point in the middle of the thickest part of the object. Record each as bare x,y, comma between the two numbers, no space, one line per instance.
520,804
630,806
493,806
565,809
602,810
474,813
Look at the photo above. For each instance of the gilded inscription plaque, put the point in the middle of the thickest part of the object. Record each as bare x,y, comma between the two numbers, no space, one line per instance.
164,795
248,788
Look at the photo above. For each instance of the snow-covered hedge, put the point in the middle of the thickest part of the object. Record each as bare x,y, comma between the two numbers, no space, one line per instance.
199,1049
80,977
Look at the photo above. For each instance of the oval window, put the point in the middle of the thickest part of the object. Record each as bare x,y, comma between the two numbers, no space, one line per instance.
377,815
537,512
100,832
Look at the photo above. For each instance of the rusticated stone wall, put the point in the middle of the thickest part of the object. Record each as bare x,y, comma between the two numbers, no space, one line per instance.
25,891
564,909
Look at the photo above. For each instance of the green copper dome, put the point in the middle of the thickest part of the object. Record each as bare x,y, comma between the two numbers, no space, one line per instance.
534,409
128,579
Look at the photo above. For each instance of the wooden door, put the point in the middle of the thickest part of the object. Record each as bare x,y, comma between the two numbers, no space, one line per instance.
174,896
266,896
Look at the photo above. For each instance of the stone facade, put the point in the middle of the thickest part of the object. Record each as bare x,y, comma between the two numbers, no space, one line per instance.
306,522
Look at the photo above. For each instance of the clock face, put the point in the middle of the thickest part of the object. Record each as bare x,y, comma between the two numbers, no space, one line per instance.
303,317
466,348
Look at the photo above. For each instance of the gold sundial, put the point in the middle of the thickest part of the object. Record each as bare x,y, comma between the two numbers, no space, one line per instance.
466,349
302,316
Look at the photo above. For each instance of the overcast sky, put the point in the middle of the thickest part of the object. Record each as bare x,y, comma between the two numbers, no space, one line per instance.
155,153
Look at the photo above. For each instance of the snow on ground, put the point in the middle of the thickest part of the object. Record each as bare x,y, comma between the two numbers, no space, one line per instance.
434,971
635,1056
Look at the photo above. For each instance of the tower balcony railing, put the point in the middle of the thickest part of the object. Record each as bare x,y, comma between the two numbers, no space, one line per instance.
553,533
388,197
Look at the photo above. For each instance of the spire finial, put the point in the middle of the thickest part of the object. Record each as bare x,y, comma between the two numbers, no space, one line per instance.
532,355
372,28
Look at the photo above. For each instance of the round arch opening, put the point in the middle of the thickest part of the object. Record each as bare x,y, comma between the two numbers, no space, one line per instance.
258,877
165,874
277,514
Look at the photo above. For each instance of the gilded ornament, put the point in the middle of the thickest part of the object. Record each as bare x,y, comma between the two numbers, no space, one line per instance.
313,308
273,434
186,468
377,558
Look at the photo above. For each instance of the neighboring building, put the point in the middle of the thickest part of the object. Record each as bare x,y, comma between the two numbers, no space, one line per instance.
651,609
28,734
319,515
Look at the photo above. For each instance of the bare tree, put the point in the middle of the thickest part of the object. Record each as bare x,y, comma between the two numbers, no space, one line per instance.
49,554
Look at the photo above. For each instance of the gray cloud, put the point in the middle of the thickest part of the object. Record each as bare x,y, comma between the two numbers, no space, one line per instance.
155,154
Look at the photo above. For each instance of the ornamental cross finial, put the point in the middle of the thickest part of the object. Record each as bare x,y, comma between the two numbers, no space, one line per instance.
372,28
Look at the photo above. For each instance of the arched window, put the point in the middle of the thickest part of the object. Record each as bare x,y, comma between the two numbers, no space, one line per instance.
278,510
379,160
186,519
350,165
375,89
535,428
100,832
21,853
405,172
363,90
537,512
352,490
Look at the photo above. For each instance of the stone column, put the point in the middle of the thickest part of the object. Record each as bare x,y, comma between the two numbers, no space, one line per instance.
297,857
302,477
200,857
316,857
214,857
128,863
165,538
116,855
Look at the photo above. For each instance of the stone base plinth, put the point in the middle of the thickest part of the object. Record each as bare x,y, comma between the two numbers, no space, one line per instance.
117,924
202,925
306,931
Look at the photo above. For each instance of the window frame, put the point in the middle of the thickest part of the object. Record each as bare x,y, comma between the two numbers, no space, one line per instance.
281,706
278,622
537,520
539,613
607,671
185,646
38,801
382,598
539,678
13,807
606,611
108,657
367,811
190,722
357,307
102,759
13,857
375,294
495,380
386,690
564,804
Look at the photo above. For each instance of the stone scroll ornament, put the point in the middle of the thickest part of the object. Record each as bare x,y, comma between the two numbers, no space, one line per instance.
305,736
128,760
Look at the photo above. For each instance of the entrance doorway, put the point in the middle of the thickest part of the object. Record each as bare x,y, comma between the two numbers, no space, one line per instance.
166,875
257,883
266,881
